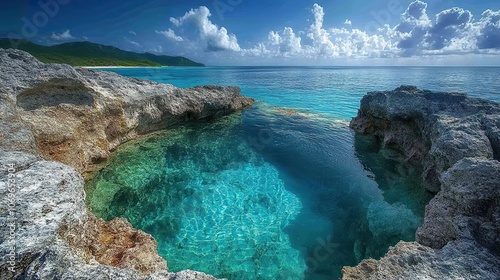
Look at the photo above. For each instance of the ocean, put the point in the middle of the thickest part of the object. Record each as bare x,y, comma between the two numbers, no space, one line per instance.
283,190
335,91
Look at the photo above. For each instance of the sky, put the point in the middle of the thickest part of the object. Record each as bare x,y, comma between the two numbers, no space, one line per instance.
272,32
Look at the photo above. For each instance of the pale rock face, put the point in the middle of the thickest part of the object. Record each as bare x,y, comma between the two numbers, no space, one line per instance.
456,141
57,122
76,116
410,260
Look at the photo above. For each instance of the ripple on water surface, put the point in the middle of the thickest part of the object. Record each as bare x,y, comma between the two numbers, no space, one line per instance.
266,194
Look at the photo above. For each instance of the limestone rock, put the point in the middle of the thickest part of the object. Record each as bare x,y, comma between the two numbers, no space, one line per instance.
456,140
52,115
77,116
468,206
433,129
410,260
50,223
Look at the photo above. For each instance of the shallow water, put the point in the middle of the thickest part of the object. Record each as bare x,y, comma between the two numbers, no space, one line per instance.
335,91
284,190
261,195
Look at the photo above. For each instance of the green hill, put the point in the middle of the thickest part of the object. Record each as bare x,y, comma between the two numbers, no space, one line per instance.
92,54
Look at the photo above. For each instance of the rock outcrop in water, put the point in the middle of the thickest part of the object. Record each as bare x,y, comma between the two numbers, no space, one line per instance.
57,122
456,140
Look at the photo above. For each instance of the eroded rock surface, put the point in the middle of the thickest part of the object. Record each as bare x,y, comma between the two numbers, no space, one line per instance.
57,122
455,139
77,116
56,238
411,260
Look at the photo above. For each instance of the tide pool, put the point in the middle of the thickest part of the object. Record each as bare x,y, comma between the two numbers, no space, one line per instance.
283,190
265,194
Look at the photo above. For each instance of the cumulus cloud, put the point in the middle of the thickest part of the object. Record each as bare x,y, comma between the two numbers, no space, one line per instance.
414,16
489,30
451,31
413,27
286,43
327,43
170,34
357,43
321,38
451,24
215,38
64,36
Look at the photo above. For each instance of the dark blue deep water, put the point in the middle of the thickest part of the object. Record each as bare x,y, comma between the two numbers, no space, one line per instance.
284,190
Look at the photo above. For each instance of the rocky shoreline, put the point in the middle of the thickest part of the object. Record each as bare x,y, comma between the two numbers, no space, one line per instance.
456,140
58,122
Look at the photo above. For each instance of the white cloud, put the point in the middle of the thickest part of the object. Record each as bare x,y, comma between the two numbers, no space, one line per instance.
170,34
413,28
286,43
132,33
453,31
357,43
213,37
132,42
451,26
64,36
274,38
450,32
415,16
322,45
489,30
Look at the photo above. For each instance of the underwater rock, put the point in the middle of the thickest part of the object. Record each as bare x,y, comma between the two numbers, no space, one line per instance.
455,139
52,115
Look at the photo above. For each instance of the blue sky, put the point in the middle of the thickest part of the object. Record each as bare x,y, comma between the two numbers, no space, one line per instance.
279,32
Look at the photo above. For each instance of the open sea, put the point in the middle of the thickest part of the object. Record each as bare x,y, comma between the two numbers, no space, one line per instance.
283,190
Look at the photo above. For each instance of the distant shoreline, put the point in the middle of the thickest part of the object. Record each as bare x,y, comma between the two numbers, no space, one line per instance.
94,67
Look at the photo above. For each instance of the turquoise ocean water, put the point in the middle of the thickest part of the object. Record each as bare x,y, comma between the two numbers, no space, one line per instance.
284,190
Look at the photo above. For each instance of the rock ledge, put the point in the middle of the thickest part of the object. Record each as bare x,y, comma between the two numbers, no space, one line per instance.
58,122
456,139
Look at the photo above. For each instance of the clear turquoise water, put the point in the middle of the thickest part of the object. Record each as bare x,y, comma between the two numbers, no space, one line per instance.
333,90
271,193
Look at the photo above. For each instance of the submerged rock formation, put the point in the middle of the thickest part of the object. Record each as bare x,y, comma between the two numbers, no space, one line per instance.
57,122
456,141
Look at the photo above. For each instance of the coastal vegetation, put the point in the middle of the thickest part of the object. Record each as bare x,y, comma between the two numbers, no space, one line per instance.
92,54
